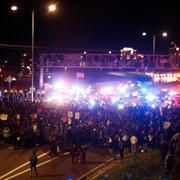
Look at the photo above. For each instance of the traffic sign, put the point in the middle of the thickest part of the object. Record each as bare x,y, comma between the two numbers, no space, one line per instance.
9,79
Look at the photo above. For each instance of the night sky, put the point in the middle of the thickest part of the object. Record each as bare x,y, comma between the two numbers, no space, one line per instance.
92,24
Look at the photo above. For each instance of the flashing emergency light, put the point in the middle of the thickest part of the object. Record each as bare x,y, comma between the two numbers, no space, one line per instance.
153,106
58,86
150,97
143,90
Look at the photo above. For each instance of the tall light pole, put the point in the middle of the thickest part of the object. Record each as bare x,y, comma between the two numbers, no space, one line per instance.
154,46
164,34
51,8
32,55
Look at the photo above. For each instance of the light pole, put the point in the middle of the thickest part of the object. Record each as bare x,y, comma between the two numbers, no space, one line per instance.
164,34
32,55
109,55
51,8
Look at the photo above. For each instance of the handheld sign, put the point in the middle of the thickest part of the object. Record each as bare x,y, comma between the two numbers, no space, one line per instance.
77,115
4,117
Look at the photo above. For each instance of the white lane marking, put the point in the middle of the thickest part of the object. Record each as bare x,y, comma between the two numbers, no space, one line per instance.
19,167
89,172
41,164
100,172
97,167
29,168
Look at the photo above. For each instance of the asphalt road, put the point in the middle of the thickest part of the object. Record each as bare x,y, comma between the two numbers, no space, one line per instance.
14,164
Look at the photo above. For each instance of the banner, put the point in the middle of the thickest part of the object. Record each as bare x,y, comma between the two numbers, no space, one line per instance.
80,75
3,117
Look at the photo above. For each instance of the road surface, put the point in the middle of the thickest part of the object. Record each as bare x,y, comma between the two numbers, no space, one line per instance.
14,164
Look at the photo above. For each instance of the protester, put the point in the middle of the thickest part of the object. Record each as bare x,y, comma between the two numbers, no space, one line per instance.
121,149
115,146
121,130
73,153
163,149
133,140
33,163
83,153
169,163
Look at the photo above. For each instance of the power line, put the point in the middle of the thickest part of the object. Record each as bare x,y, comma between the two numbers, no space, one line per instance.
17,46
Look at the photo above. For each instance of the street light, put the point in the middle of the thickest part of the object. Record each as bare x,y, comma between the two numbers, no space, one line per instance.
14,8
164,34
51,8
144,34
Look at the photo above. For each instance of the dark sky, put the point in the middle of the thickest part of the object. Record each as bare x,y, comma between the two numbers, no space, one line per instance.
92,24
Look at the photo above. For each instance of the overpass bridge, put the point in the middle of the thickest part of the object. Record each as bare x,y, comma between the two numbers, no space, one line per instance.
51,63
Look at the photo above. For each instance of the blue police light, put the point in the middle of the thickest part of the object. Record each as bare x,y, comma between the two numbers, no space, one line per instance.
153,106
91,104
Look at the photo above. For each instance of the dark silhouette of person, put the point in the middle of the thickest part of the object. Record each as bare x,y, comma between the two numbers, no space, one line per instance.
33,163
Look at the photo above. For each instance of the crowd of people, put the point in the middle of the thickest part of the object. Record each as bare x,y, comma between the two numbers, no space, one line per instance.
120,130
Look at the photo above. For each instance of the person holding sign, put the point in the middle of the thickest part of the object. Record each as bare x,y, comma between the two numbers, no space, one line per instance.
6,134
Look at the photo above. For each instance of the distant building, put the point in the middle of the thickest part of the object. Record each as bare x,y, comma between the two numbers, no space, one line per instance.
175,55
25,67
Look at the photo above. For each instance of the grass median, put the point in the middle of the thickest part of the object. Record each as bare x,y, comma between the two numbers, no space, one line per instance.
142,166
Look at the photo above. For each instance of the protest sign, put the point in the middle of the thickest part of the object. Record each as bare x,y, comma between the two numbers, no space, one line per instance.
4,117
77,115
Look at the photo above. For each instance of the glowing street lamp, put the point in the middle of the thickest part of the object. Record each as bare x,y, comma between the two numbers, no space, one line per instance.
52,7
164,34
14,8
144,34
110,52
